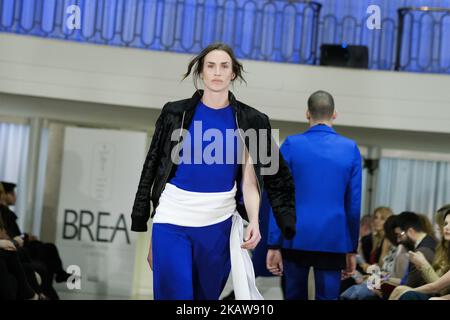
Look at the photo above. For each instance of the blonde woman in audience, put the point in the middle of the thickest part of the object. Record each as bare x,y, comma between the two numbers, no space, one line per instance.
373,247
434,274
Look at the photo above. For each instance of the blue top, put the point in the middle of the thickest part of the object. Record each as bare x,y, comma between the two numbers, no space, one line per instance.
204,165
326,168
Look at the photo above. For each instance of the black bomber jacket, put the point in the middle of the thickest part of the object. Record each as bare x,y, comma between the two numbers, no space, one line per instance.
158,166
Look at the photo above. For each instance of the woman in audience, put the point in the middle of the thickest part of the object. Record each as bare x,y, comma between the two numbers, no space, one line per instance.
436,275
370,249
365,226
373,247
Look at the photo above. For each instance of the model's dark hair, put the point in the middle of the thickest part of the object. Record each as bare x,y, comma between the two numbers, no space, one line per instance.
196,64
321,105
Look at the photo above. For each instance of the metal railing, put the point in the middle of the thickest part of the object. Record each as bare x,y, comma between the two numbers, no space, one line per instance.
263,30
272,30
423,40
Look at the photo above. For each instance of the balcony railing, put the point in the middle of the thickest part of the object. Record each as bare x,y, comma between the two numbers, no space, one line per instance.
262,30
273,30
424,40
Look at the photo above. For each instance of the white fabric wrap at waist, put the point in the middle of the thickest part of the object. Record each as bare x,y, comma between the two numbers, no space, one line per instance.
199,209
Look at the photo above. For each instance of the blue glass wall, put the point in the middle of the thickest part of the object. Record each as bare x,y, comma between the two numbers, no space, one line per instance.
274,30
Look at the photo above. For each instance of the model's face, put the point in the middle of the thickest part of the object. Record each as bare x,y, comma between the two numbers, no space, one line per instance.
447,228
378,222
217,72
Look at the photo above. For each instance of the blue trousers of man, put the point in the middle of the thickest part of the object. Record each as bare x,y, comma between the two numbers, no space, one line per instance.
327,282
190,263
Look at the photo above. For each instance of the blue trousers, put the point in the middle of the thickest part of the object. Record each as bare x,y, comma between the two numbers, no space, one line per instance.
190,263
359,292
327,282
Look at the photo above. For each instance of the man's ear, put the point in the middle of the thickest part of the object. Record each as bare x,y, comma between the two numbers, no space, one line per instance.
334,115
308,115
409,231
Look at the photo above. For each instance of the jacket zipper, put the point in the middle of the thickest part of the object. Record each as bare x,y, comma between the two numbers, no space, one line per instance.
256,177
171,162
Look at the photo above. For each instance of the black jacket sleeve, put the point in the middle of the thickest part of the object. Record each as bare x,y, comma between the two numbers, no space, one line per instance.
281,191
141,207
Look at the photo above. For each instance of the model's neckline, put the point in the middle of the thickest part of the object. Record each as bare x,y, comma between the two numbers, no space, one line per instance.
214,109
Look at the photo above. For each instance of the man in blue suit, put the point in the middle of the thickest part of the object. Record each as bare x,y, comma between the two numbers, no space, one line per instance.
327,175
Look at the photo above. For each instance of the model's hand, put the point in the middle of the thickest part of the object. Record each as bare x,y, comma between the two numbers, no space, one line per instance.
418,259
252,236
7,245
150,256
350,265
274,262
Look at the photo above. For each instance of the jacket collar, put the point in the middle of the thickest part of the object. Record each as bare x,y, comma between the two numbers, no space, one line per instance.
321,127
197,96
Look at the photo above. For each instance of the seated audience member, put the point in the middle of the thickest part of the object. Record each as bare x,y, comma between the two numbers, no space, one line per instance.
47,253
365,226
431,272
373,246
410,232
13,280
34,255
394,265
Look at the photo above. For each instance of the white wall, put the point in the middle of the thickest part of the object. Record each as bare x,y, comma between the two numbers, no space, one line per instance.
147,79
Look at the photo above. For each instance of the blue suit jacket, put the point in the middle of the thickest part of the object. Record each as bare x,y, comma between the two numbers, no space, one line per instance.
327,175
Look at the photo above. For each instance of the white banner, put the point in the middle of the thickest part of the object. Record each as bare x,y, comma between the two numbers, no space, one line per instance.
100,174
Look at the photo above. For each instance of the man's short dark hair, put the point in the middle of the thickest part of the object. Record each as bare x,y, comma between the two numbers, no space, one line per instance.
321,105
407,219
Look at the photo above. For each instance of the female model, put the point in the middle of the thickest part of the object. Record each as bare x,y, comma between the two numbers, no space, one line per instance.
196,190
